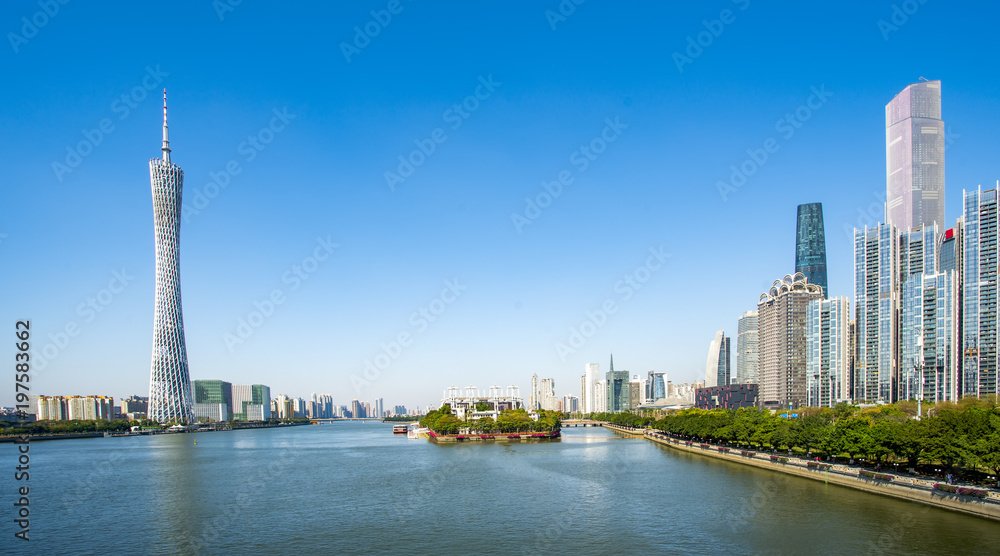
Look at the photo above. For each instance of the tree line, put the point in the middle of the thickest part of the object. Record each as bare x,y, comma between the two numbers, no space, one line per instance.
443,421
956,436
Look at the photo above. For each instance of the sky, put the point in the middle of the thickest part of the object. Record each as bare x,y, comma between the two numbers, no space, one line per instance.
388,198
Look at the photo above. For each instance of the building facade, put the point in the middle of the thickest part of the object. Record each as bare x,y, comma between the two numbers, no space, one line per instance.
729,396
214,392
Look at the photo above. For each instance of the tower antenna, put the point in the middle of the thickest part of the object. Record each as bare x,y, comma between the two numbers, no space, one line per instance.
166,142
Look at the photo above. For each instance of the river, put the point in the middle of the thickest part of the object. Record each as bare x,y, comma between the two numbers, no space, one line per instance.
355,488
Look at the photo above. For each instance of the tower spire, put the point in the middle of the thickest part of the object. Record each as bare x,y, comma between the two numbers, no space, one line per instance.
166,142
612,363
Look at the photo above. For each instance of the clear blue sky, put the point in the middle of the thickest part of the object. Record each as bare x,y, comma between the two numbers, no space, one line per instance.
676,133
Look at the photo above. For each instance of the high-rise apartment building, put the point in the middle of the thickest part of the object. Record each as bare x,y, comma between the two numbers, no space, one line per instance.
534,398
810,244
914,157
781,322
828,353
170,399
876,300
592,373
979,290
547,394
746,349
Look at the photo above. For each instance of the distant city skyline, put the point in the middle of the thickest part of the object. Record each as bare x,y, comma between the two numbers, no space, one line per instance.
301,263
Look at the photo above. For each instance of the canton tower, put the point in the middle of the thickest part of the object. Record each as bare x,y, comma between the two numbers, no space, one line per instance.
169,383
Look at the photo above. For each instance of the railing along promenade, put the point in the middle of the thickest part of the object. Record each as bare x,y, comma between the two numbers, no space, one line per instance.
976,501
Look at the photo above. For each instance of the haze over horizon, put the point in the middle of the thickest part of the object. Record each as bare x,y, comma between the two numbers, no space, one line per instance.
384,200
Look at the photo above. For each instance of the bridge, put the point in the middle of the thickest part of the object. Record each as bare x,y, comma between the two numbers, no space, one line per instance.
582,423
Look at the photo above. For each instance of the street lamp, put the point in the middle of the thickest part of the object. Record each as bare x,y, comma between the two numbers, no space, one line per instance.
918,367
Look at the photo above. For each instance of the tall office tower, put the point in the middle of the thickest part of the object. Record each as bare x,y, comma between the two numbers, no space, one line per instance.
592,372
635,396
979,291
583,393
828,354
876,312
379,408
717,370
215,392
781,348
170,398
618,392
712,361
746,348
810,244
655,387
534,399
914,157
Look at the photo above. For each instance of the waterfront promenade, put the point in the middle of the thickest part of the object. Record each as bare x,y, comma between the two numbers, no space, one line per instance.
888,484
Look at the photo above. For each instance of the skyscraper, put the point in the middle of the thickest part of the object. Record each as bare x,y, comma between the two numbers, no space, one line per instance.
980,337
170,399
592,373
547,394
618,391
746,349
914,157
876,312
810,244
781,351
534,399
717,369
828,355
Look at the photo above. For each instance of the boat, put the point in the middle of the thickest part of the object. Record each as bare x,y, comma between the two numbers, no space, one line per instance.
399,429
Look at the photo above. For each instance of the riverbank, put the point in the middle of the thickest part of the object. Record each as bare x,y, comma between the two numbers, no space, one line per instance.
117,434
896,486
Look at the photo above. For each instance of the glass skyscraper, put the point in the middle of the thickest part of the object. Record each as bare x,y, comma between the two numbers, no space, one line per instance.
827,351
746,349
876,302
914,157
980,335
717,371
810,244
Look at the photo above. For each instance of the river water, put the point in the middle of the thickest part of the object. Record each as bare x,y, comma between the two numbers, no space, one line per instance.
355,488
